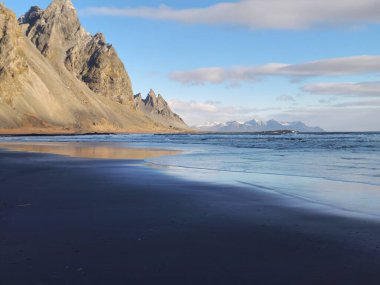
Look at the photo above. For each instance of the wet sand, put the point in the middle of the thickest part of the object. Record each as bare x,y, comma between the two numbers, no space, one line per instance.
85,221
92,150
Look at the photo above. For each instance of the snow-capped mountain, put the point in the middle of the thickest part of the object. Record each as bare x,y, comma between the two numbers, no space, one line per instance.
258,126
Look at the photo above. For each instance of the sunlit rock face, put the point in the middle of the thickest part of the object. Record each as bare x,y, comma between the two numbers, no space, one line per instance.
59,36
57,78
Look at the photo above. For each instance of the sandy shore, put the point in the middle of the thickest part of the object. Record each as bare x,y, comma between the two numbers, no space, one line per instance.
78,221
93,150
64,132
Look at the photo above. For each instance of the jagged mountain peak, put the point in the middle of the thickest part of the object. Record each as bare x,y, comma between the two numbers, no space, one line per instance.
55,29
56,77
138,96
31,16
68,3
62,11
158,109
100,38
59,36
151,99
62,4
152,94
160,98
57,10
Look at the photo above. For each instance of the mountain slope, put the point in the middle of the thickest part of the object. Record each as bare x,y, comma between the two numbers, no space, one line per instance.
59,36
259,126
56,78
158,110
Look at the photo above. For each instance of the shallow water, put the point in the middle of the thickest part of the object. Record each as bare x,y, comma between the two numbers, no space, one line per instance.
339,170
93,150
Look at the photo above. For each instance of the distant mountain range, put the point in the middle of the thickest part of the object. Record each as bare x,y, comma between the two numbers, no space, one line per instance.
258,126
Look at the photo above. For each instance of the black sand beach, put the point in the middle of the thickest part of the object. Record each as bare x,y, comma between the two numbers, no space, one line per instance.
81,221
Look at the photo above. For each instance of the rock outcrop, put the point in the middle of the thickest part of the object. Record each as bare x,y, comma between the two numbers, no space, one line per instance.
97,64
59,36
12,65
158,110
56,77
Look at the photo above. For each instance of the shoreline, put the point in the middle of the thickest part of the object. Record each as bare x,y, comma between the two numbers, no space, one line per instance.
42,132
191,132
80,221
93,150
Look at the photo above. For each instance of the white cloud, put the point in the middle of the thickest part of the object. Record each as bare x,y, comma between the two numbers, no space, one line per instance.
206,107
348,116
260,14
199,113
369,103
286,98
342,118
361,89
355,65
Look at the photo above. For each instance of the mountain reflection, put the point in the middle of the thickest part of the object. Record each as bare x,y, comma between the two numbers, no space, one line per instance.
88,150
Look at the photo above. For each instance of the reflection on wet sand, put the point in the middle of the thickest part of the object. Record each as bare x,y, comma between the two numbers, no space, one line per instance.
88,150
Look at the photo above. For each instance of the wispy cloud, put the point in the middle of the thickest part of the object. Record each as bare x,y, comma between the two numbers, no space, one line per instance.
260,14
355,65
347,116
359,104
202,107
361,89
286,98
335,118
198,113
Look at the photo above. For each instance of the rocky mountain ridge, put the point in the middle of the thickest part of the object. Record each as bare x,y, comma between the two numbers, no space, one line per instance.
59,36
157,108
259,126
56,77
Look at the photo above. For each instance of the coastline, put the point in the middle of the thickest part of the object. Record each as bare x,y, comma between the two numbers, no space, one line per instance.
80,221
60,132
94,150
43,133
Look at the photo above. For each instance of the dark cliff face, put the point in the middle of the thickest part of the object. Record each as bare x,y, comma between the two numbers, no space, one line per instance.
159,110
32,16
97,64
59,36
55,29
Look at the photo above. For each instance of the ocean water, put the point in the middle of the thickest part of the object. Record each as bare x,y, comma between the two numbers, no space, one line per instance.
337,171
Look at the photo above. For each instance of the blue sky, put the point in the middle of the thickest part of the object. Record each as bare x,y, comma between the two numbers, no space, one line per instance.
210,58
